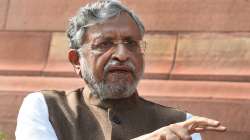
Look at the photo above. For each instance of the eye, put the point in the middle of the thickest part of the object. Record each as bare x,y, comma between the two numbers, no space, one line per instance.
104,45
131,43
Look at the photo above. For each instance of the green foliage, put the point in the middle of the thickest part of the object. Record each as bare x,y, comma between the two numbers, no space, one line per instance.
2,136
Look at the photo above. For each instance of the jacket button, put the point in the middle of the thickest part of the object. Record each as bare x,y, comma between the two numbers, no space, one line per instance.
116,120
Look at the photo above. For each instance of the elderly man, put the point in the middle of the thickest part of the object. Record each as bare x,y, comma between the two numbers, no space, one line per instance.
106,50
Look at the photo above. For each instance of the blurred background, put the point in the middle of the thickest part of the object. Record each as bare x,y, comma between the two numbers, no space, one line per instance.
197,57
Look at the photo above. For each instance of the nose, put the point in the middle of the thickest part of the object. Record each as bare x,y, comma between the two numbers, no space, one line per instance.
121,53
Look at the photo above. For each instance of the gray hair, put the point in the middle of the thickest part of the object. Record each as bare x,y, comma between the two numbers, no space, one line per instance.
94,13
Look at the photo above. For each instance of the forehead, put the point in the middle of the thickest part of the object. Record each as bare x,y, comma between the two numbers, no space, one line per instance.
118,27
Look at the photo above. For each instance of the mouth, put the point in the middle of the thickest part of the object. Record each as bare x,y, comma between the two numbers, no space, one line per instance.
119,69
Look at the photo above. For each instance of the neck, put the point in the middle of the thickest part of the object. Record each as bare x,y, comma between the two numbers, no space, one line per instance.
93,99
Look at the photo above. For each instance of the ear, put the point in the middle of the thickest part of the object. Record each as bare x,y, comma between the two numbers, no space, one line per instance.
73,57
74,60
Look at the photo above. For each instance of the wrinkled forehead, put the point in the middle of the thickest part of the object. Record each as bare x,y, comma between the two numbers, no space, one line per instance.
117,27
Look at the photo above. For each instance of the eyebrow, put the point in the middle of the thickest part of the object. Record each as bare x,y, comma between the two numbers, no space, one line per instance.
110,36
128,38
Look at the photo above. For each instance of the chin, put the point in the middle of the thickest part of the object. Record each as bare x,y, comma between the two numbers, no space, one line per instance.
117,91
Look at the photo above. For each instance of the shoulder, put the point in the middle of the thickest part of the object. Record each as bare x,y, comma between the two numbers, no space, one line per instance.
34,97
33,106
32,120
53,94
34,101
59,95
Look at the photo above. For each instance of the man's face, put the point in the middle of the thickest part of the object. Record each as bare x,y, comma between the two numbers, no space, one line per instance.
112,72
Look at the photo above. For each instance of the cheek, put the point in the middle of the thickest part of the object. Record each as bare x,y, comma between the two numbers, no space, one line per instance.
98,63
89,61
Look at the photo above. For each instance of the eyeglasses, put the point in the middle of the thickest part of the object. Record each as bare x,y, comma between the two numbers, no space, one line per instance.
136,46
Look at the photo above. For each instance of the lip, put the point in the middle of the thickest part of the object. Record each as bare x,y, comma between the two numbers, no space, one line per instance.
120,69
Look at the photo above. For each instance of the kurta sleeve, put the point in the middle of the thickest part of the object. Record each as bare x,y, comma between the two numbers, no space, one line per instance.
33,120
